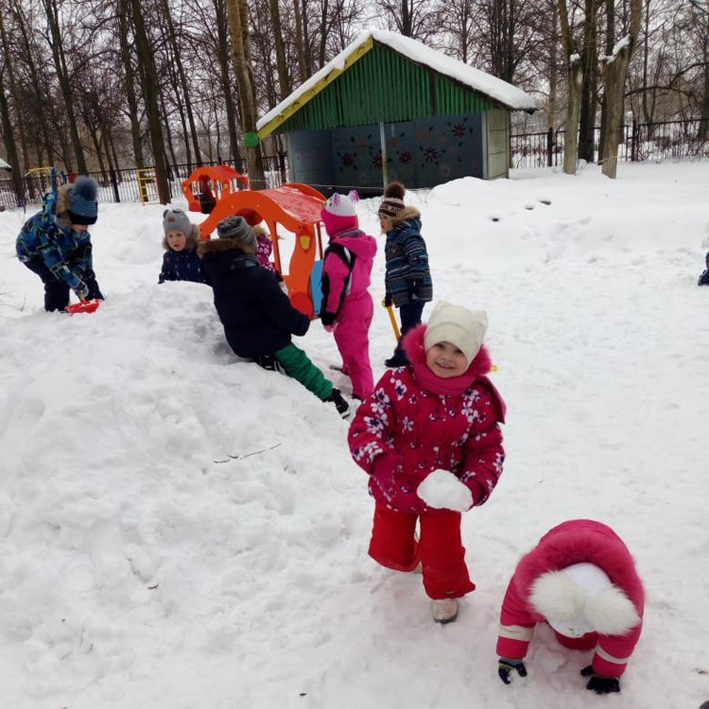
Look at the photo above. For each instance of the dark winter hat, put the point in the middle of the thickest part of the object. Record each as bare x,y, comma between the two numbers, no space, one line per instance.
176,220
393,201
83,207
238,229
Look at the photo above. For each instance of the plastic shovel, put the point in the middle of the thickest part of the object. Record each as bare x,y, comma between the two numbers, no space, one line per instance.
83,306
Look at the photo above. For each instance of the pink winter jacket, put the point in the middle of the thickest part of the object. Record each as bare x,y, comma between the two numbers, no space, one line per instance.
572,542
406,429
335,270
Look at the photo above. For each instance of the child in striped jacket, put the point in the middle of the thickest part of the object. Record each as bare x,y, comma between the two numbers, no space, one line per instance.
408,278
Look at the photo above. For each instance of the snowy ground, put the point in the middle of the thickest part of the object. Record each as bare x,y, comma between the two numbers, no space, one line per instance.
143,567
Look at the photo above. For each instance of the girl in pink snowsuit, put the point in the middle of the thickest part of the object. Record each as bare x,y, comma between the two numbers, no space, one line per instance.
582,581
429,439
347,306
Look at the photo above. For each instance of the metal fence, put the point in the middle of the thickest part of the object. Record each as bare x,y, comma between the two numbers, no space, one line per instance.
122,185
639,141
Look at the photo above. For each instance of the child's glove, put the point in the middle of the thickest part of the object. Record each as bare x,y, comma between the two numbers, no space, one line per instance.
81,290
327,319
598,684
505,667
442,489
388,300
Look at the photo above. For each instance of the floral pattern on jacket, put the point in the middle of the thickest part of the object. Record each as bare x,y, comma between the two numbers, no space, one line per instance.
422,430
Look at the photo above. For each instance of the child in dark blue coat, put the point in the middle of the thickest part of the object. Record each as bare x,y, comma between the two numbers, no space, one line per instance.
257,316
181,262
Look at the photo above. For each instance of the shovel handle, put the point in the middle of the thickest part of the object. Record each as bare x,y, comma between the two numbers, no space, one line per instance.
392,318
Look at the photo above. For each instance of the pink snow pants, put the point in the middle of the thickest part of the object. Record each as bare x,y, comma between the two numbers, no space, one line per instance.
352,338
439,549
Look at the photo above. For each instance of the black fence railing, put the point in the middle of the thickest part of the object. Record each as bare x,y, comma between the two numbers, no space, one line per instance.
123,185
639,141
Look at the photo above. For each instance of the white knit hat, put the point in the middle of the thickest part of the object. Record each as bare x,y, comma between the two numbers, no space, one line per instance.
580,599
455,324
343,205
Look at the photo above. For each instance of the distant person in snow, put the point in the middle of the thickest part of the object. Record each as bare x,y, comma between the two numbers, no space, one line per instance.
408,278
704,278
429,438
180,261
257,316
581,580
56,245
347,306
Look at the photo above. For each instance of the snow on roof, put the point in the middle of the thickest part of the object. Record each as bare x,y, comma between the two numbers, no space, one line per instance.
4,165
491,86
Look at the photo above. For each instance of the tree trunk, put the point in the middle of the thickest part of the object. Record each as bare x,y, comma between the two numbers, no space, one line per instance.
129,76
150,83
284,83
225,79
587,119
574,80
185,93
299,42
704,123
8,135
553,66
238,14
614,75
64,82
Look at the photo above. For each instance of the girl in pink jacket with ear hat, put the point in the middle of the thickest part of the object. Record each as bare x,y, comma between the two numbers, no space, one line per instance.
347,306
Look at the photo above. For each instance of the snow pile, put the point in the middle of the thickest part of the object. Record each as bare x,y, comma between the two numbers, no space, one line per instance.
180,528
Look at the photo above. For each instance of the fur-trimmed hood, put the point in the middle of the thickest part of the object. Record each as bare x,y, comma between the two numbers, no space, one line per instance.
404,215
220,246
476,371
578,541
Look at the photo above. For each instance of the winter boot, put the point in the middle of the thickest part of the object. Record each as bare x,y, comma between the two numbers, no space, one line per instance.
444,610
343,408
704,278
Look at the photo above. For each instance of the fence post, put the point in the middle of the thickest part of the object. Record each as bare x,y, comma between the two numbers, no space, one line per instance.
550,146
634,141
114,183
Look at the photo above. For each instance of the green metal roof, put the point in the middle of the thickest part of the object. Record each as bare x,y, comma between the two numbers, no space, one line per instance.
382,85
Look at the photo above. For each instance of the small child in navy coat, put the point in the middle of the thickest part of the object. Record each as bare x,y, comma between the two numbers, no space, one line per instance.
181,262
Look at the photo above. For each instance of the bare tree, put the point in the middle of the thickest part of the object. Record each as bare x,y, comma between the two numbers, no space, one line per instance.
238,13
615,69
574,82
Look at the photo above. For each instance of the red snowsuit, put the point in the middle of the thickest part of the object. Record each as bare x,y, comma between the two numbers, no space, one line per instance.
416,423
349,305
572,542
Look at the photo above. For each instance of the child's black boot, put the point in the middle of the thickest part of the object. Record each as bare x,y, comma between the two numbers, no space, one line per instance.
343,408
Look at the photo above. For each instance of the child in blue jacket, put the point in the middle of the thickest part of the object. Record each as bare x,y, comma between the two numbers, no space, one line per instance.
56,245
408,278
181,262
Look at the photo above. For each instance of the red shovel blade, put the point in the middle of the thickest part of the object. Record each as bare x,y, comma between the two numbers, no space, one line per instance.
84,306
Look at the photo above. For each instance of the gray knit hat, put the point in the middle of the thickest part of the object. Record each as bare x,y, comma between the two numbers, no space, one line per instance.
176,220
238,229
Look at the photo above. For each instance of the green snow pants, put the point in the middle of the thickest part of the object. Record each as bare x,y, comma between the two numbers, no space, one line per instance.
297,364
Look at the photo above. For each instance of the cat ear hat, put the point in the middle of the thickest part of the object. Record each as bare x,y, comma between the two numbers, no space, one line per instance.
339,213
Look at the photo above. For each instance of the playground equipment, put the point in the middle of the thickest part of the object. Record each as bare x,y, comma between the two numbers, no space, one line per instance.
37,181
147,185
296,208
206,186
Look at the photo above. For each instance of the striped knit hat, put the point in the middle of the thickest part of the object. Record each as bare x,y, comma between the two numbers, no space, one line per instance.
393,202
83,207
